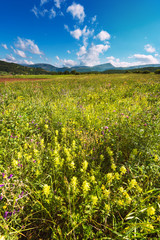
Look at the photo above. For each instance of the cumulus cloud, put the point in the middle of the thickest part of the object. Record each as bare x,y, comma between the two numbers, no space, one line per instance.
145,59
77,11
139,59
82,51
66,62
28,45
4,46
103,35
85,33
149,48
90,57
76,33
69,52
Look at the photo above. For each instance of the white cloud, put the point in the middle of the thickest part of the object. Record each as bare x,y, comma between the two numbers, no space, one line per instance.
149,48
77,11
65,62
82,51
76,33
66,27
156,55
103,35
69,52
90,57
20,53
28,45
117,63
28,62
43,2
4,46
145,59
10,58
35,11
57,58
94,19
139,59
52,13
79,33
58,3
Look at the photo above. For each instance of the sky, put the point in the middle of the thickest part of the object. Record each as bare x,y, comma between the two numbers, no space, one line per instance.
81,32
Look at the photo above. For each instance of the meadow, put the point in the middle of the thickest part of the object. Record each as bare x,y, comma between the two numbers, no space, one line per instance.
80,158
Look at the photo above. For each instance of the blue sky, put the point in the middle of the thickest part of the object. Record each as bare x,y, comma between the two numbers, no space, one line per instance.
80,32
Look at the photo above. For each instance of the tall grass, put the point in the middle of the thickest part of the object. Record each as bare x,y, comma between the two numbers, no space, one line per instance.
79,158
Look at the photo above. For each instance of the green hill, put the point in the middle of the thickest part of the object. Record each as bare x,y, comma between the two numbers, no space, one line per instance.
13,68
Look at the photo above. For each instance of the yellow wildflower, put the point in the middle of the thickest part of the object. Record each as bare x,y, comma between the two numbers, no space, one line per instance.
85,187
133,183
151,211
46,190
85,165
123,170
107,208
74,183
94,200
113,166
110,177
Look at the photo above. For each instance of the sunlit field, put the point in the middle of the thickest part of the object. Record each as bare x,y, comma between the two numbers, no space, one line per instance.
80,157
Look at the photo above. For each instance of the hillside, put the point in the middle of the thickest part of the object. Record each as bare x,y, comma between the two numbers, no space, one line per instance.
13,68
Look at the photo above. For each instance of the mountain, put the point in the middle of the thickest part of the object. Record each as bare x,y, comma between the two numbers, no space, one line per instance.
41,68
13,68
47,67
81,69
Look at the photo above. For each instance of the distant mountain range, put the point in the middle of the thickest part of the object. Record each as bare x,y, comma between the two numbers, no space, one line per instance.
43,68
83,69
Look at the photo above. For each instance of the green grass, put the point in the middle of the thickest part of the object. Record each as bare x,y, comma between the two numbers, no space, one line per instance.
80,158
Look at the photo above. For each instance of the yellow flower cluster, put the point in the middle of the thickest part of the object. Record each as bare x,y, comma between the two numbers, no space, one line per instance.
46,190
85,187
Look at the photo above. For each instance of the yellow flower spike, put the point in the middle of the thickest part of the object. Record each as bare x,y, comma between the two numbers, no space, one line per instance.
113,166
123,170
94,200
19,155
107,208
121,189
92,178
85,187
117,176
74,183
106,193
85,165
110,177
46,190
133,183
4,207
46,126
56,132
151,211
15,163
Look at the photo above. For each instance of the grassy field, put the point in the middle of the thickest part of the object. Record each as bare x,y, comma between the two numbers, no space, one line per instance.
80,158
